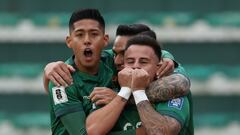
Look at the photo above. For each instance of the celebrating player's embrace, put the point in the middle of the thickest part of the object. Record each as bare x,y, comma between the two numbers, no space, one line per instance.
163,106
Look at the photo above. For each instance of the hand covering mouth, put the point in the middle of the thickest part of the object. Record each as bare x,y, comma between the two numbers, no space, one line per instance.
88,52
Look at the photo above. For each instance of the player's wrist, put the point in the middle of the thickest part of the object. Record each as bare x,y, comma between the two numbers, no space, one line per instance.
139,96
125,92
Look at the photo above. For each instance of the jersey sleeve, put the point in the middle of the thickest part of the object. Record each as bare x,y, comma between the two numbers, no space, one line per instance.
177,108
108,57
64,100
75,123
166,54
180,69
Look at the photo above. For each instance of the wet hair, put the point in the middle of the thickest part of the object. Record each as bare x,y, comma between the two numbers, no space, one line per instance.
131,30
86,14
144,40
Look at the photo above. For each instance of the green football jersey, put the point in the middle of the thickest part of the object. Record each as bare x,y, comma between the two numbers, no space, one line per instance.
128,120
74,98
178,109
166,54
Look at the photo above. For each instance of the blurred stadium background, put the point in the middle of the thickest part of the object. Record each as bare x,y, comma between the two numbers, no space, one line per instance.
203,35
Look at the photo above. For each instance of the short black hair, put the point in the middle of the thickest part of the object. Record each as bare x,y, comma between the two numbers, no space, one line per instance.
144,40
149,33
131,30
86,14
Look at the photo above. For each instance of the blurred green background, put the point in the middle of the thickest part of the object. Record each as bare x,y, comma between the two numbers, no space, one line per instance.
203,35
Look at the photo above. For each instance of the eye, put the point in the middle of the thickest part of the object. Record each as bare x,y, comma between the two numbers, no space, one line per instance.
79,34
144,61
130,61
94,34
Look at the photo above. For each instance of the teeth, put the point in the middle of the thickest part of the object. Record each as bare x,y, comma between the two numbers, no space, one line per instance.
88,52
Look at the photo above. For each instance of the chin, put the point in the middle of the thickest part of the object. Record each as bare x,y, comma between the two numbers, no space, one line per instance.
90,65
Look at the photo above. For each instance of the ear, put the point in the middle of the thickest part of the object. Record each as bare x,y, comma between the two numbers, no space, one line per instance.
68,41
106,40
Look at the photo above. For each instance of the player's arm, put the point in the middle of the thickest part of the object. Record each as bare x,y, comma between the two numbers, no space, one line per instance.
74,123
59,73
153,122
68,108
168,87
102,120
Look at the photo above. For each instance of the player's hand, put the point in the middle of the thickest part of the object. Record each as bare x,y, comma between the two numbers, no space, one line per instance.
140,79
59,73
102,95
166,67
125,77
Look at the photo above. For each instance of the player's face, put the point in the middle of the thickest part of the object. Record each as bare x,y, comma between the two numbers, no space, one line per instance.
118,48
87,40
137,56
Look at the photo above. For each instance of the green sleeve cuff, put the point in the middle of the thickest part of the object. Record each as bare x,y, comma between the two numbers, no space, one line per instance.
175,116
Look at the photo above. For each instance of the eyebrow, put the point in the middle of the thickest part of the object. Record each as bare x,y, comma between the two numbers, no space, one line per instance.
80,30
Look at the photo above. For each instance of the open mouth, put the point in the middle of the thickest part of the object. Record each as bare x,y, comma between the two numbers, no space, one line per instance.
88,52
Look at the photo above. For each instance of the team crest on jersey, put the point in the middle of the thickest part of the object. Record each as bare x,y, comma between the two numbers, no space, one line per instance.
176,103
59,95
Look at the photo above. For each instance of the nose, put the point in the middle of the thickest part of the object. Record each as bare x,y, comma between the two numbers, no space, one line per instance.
87,40
136,65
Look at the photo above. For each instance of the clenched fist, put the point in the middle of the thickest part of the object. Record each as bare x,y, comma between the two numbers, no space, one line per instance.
125,77
140,79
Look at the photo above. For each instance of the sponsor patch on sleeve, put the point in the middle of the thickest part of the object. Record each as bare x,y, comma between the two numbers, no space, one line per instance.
176,103
59,95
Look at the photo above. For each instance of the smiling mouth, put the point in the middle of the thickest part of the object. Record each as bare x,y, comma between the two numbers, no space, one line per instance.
88,52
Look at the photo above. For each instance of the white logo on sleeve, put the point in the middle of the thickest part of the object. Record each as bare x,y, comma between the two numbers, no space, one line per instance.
59,95
176,103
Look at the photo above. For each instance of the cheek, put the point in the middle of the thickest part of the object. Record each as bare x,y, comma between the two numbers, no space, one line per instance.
77,47
99,44
98,49
127,65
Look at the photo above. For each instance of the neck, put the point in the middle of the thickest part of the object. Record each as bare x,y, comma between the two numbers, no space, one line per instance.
93,70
